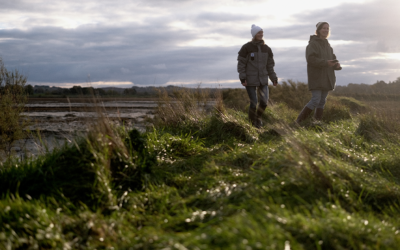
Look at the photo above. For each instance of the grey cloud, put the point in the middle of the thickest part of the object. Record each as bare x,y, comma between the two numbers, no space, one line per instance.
391,46
371,22
148,54
221,17
114,8
60,55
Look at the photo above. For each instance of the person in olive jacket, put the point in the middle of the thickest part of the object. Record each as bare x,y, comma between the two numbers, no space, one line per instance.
255,66
321,66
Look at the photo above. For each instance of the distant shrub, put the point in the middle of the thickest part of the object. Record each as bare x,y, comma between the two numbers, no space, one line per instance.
12,102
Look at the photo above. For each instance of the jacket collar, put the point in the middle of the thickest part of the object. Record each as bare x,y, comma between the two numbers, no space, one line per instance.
261,42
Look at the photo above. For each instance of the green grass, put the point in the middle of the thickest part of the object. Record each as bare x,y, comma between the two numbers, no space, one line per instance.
213,182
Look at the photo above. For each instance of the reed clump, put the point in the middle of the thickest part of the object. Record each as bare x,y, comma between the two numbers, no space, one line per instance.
184,106
12,101
294,94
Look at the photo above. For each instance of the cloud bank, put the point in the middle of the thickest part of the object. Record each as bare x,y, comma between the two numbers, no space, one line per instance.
177,42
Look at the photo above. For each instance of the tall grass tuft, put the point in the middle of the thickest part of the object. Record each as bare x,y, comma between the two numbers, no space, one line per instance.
355,106
335,111
294,94
203,114
184,106
236,99
85,171
379,127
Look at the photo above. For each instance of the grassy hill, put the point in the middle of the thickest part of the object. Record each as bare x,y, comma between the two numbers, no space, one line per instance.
206,179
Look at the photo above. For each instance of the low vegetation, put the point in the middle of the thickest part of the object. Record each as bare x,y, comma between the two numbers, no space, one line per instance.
203,178
12,101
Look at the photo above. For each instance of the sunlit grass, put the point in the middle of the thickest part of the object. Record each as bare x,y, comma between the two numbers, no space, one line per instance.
210,180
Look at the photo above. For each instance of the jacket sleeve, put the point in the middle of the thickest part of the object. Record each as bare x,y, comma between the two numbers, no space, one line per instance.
270,66
242,63
334,57
313,58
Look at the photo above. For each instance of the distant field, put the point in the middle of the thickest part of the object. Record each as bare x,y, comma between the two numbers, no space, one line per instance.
387,105
388,108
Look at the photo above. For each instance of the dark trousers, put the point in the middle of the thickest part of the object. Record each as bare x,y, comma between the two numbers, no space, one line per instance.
258,95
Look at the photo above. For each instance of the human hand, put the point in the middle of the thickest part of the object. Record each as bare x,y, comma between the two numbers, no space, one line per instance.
332,63
338,66
275,83
244,83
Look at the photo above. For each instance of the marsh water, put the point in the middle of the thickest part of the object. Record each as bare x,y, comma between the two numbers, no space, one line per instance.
56,121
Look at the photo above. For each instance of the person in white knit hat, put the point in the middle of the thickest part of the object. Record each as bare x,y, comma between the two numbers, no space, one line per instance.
255,65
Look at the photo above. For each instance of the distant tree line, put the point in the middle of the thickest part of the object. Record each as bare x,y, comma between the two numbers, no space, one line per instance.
39,90
379,88
150,91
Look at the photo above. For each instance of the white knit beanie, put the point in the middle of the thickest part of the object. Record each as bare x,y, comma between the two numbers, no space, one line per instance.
255,29
320,23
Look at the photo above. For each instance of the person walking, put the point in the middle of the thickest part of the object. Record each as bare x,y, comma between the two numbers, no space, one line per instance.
255,65
321,66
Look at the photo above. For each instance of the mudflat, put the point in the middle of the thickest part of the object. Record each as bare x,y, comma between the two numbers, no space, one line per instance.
60,120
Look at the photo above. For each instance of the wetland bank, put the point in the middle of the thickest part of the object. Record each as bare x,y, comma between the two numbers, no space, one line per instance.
203,178
55,121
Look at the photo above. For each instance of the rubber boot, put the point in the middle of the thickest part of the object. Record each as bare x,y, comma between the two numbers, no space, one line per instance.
260,111
252,116
304,114
318,114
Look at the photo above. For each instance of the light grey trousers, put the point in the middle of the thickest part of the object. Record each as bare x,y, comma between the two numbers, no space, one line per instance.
318,99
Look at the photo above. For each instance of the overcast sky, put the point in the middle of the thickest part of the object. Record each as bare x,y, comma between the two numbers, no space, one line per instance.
185,42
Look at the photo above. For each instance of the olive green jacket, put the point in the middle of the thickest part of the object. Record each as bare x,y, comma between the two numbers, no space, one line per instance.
320,76
256,63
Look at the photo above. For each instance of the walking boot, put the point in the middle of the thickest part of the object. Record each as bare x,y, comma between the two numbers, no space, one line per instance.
260,111
318,114
252,116
304,114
